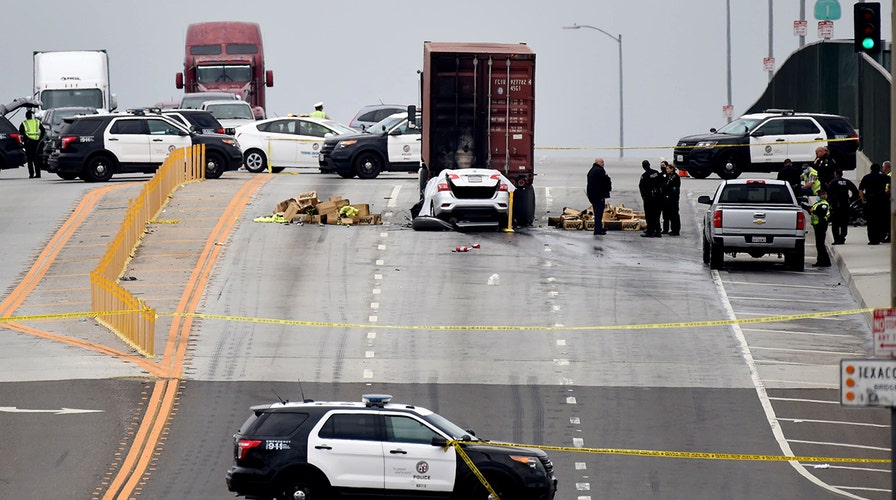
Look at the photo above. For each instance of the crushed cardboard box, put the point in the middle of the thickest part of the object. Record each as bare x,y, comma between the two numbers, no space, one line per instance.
306,208
617,217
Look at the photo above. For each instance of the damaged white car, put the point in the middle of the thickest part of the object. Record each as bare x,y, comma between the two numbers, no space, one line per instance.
466,198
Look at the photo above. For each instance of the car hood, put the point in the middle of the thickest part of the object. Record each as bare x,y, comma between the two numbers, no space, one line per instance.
360,136
723,138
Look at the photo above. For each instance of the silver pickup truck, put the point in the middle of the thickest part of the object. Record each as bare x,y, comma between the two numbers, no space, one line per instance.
753,216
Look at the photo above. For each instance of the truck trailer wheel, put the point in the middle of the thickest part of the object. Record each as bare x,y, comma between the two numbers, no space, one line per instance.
716,256
524,206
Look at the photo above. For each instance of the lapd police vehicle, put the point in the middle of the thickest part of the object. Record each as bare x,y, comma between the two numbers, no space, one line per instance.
391,145
98,146
761,142
317,450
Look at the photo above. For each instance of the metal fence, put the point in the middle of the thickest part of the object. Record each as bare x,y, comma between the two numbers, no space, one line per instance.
127,316
830,77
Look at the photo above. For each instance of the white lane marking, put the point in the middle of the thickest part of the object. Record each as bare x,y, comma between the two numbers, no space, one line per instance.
558,325
566,381
561,342
548,198
769,284
825,318
381,247
376,291
841,445
571,400
789,300
835,422
578,442
583,486
383,235
859,488
547,249
61,411
393,197
374,305
368,354
380,262
865,469
555,308
371,319
764,400
813,351
378,277
368,373
561,362
371,335
792,332
802,400
791,383
581,466
575,420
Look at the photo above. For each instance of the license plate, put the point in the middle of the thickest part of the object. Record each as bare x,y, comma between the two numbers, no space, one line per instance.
474,178
759,239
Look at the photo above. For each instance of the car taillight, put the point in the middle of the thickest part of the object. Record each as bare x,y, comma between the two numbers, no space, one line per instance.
443,186
717,218
17,137
219,131
68,139
453,176
503,187
245,445
800,220
495,176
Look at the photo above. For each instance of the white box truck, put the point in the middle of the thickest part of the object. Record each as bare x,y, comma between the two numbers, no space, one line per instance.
73,78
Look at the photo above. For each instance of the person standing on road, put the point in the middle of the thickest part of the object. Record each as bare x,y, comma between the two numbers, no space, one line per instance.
319,112
841,192
825,165
886,168
32,131
820,213
791,175
651,187
809,180
873,193
598,190
671,195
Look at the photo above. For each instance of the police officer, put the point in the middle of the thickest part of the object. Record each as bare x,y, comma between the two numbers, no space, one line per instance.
671,195
809,179
32,130
319,112
820,213
841,192
651,187
876,203
825,165
598,190
791,174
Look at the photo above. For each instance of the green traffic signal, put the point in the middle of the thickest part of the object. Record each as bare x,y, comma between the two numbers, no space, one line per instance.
868,43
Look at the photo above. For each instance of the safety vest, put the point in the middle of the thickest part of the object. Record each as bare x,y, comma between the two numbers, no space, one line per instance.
814,174
32,129
318,114
827,213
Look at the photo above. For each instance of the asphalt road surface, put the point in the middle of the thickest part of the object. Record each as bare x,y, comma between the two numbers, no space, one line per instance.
616,343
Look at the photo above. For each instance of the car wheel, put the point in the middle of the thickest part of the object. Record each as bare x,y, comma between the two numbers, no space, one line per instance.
716,256
98,169
255,161
731,166
795,259
368,165
346,175
699,174
214,165
302,488
67,176
524,206
502,485
705,251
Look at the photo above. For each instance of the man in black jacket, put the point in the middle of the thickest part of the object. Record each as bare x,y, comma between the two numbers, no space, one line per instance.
841,192
598,190
651,187
671,194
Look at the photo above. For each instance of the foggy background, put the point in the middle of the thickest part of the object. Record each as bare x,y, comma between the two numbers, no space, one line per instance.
351,53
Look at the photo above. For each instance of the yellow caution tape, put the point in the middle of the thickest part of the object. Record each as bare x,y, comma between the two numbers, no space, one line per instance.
696,454
165,221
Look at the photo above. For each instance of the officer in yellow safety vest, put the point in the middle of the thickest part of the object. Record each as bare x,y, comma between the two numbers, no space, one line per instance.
32,131
810,181
319,112
820,213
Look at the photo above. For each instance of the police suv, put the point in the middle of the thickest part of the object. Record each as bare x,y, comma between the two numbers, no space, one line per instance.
390,145
760,142
316,450
97,146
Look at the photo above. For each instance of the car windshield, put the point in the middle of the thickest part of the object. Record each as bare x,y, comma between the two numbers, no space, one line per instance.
60,114
339,128
448,427
739,127
195,101
386,124
231,111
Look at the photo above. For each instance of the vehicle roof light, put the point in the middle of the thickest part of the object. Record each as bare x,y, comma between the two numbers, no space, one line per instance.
756,181
376,399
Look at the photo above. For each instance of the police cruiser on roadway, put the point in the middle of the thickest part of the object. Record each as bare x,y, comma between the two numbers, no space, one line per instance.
316,450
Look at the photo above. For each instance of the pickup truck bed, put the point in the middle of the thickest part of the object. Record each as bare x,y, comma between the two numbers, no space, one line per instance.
756,217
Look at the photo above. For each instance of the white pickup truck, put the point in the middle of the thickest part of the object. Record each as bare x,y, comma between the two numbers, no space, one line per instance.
753,216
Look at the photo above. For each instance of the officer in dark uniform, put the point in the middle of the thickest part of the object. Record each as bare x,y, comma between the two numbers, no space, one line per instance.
825,165
873,193
791,174
671,195
32,131
841,192
598,190
651,187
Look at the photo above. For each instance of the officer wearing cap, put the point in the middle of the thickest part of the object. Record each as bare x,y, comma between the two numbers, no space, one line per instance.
319,111
651,188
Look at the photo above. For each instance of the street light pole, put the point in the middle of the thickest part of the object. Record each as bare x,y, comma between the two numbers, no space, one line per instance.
617,39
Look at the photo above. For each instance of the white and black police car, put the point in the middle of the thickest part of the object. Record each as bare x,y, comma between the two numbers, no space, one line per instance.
319,450
95,147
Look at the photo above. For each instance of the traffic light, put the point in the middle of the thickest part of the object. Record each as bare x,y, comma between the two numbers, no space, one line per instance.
866,20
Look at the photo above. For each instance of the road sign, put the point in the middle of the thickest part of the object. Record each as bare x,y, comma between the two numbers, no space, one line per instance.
768,63
827,10
868,382
826,29
728,110
884,330
800,27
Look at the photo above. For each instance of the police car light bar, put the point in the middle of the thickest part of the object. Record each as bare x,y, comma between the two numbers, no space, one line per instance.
376,399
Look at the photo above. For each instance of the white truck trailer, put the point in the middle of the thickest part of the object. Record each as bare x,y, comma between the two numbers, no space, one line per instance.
73,78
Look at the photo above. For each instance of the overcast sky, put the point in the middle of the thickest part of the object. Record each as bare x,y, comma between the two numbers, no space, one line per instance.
352,53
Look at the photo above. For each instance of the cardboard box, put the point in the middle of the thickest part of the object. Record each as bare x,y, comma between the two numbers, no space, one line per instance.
571,212
589,225
363,209
335,198
573,224
292,210
283,205
326,207
368,220
554,221
624,212
346,221
307,198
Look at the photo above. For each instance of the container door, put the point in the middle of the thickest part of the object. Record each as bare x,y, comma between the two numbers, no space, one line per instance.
511,120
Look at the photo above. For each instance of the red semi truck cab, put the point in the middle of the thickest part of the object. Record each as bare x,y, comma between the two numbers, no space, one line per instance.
226,57
479,111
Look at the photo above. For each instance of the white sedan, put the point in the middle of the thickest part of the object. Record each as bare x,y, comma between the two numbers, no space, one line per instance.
285,142
466,198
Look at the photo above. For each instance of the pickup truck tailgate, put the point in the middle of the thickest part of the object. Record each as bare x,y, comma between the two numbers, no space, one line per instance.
775,218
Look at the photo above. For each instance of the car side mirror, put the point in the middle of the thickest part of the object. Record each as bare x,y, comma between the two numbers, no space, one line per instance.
706,200
183,133
395,132
439,441
758,134
328,134
712,130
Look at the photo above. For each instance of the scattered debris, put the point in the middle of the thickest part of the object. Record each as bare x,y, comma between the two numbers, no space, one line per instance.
305,208
614,218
